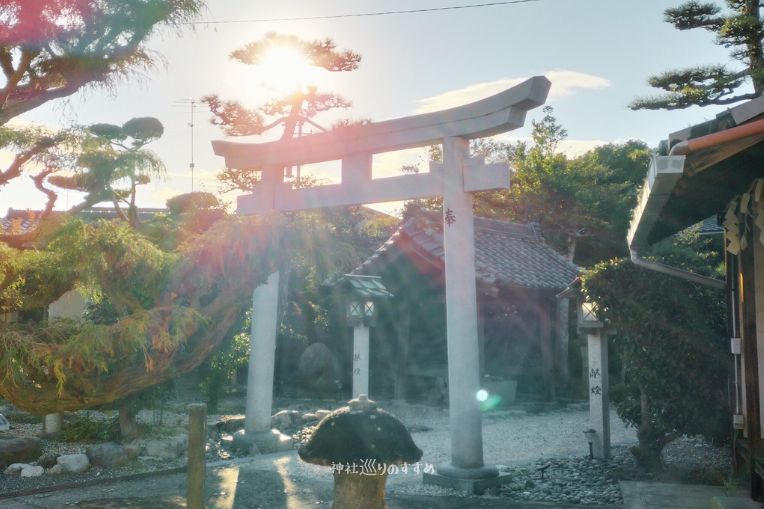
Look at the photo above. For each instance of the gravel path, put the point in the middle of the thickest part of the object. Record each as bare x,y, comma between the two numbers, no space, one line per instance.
517,441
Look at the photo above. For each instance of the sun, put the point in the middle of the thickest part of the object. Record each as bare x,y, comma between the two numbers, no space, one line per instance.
285,70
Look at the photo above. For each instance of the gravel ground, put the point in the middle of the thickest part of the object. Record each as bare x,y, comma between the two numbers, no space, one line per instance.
518,441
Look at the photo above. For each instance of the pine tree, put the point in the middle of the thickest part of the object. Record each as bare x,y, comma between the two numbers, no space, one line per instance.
739,28
292,111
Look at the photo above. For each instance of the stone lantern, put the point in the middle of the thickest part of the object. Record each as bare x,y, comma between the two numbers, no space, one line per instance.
598,435
362,295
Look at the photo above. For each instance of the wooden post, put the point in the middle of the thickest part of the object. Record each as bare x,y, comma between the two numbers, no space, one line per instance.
545,343
563,340
403,331
197,440
751,362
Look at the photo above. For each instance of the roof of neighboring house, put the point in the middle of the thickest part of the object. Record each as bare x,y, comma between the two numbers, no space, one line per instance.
506,253
22,221
682,190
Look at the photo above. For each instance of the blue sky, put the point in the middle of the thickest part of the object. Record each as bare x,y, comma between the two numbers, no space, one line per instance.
598,54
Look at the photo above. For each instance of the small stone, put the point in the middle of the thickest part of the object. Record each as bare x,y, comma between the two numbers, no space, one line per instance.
322,413
55,470
32,471
132,451
47,460
74,463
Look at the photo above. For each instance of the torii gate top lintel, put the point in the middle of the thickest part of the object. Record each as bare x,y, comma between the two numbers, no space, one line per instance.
493,115
355,146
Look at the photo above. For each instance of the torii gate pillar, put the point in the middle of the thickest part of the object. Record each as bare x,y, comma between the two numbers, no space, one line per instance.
461,313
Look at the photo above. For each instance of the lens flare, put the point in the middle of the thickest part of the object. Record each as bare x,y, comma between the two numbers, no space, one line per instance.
482,395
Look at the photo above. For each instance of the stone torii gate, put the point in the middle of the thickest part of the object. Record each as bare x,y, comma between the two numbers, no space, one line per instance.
455,179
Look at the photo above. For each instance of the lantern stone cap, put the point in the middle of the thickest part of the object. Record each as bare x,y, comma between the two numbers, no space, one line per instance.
364,286
361,434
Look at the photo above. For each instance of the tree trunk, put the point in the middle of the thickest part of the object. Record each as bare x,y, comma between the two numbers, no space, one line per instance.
128,427
648,452
755,57
571,248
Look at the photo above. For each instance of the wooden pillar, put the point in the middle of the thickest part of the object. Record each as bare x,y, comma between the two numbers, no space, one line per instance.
403,334
545,344
750,361
562,317
197,442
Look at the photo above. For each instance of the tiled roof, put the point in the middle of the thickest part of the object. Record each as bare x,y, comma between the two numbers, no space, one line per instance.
711,226
506,253
23,221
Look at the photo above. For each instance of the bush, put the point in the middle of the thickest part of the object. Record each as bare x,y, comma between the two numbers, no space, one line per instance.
84,428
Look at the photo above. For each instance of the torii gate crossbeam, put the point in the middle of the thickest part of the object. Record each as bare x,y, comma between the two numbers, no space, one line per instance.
455,179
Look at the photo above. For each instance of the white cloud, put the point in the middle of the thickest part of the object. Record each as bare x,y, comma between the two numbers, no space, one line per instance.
564,83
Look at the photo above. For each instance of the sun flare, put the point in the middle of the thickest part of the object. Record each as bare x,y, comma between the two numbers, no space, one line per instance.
285,69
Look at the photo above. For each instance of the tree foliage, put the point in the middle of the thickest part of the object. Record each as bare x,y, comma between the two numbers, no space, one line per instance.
739,27
50,49
673,335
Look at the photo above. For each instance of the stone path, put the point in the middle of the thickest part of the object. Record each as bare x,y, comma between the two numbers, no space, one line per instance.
655,495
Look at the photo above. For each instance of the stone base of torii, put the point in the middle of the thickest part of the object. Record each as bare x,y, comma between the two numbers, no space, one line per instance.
455,180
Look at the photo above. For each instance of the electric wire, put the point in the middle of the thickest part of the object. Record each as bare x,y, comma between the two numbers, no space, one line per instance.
362,14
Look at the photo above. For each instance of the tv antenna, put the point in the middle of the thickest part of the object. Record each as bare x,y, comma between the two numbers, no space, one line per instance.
192,103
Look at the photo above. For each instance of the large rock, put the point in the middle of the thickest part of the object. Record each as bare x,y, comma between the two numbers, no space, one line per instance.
107,455
16,468
19,450
32,471
167,448
319,368
74,463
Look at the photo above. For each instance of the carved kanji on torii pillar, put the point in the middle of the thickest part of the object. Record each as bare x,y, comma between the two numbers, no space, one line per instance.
454,179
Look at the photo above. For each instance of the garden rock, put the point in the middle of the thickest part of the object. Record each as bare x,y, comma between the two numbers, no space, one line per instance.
74,463
47,460
166,448
132,451
19,450
285,419
32,471
319,368
55,470
107,455
230,424
15,469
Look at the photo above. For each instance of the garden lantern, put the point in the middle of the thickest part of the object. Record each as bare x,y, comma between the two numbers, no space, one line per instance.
361,295
587,316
